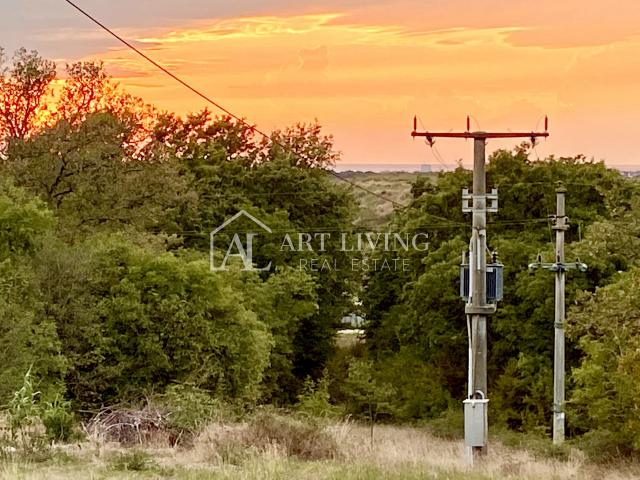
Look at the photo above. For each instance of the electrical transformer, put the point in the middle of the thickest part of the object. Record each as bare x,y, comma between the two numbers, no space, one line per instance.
494,282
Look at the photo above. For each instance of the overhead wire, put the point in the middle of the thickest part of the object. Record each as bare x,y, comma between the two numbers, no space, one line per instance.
434,150
220,106
437,154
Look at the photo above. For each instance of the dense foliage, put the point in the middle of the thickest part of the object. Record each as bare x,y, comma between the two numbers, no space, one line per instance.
107,210
107,296
419,315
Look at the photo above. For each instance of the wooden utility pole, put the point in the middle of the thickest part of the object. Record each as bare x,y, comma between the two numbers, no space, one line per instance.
477,308
561,224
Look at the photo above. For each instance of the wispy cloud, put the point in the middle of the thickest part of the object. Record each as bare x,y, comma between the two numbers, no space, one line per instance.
247,27
364,76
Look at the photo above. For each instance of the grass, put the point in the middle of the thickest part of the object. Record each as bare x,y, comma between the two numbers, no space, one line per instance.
398,453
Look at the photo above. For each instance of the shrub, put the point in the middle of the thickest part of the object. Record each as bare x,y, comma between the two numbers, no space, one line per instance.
537,442
135,460
58,420
604,445
449,425
315,399
419,387
291,436
191,408
299,438
140,321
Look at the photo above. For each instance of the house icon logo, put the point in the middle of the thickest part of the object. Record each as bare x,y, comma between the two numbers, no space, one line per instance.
237,247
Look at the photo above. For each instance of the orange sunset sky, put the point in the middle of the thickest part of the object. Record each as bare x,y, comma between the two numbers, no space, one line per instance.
364,68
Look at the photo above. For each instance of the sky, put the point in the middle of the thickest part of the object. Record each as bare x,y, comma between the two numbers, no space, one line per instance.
364,68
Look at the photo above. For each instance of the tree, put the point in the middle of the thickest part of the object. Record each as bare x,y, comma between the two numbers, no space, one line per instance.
86,178
232,169
88,89
24,94
282,302
606,325
421,310
368,395
28,339
133,319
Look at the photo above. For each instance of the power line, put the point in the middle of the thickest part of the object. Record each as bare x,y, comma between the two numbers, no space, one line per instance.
311,230
548,183
434,151
218,105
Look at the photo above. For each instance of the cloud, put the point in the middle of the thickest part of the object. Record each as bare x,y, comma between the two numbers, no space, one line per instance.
314,59
247,27
364,73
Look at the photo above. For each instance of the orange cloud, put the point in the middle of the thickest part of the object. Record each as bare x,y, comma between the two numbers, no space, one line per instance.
247,27
365,80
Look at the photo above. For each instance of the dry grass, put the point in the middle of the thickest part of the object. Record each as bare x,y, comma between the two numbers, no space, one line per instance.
249,451
267,433
400,447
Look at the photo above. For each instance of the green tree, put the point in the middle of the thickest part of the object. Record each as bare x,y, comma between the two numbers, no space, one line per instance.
421,309
28,340
85,177
282,302
368,395
233,169
606,325
135,319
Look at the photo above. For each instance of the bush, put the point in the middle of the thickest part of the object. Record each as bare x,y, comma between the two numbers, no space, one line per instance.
305,440
139,321
315,399
449,425
266,430
58,420
419,387
191,408
135,460
537,442
603,445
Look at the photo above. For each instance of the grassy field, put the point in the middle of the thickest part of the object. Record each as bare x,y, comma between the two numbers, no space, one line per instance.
393,185
396,453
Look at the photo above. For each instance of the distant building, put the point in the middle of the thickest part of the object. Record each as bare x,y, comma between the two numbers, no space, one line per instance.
353,321
426,168
630,171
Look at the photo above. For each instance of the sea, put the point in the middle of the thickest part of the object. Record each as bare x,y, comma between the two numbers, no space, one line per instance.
627,170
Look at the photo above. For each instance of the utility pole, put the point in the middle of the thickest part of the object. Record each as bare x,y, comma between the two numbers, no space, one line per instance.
559,267
478,309
558,344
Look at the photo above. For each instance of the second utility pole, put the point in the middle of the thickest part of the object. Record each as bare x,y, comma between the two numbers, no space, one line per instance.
558,349
559,267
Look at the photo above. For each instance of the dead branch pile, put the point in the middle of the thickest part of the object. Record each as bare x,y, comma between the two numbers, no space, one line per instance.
128,426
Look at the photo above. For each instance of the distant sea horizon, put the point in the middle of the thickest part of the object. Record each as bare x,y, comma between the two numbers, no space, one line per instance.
427,167
392,167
